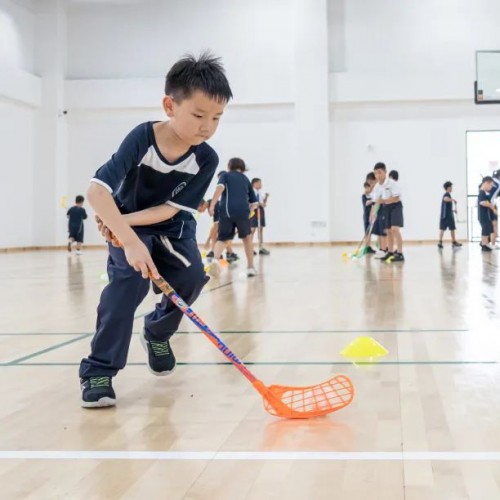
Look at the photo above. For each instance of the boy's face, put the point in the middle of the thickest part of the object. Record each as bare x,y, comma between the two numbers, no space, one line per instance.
450,189
257,185
194,119
368,189
487,186
380,175
371,182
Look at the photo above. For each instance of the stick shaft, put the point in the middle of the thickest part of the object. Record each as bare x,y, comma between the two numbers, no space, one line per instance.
167,289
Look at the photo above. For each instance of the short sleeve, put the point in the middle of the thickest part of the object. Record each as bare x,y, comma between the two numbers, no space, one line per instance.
447,195
190,197
84,213
129,154
396,190
222,180
483,196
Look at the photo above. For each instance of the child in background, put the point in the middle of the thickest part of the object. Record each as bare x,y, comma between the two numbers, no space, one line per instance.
258,219
76,215
447,220
394,216
367,202
379,226
214,230
237,200
485,212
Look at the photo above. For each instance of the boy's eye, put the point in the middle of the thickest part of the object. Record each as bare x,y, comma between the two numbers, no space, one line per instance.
198,116
217,118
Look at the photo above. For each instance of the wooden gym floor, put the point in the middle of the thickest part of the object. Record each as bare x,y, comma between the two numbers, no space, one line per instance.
425,422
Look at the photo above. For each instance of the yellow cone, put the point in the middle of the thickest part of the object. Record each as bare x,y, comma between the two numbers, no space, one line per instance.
363,348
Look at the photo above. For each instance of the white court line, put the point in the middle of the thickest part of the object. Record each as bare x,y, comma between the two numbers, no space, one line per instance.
253,455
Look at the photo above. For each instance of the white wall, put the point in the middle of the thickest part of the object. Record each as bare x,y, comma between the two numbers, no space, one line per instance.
17,129
19,95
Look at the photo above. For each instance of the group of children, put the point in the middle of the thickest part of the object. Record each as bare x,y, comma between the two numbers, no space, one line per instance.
383,213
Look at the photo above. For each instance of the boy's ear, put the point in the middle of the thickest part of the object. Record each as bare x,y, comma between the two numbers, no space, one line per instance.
168,106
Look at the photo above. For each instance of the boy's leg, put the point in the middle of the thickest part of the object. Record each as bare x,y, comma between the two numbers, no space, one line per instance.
398,239
495,232
115,316
245,233
179,262
248,245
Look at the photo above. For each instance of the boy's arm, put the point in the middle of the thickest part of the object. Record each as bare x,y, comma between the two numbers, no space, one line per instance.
84,214
151,215
136,252
215,198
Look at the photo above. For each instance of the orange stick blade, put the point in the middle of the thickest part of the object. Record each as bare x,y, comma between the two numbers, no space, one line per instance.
306,402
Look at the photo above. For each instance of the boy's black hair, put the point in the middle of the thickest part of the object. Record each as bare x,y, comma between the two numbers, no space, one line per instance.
370,176
488,178
79,199
394,175
255,179
366,184
236,164
380,166
205,74
447,184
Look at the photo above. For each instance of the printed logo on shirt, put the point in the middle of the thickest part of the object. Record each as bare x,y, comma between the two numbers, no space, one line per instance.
179,188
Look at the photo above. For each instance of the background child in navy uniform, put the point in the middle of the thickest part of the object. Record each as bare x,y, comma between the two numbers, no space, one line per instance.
367,203
237,200
214,231
394,218
258,219
76,215
155,182
485,212
447,219
379,226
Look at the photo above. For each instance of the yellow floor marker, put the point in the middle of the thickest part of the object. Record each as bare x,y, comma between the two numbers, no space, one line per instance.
364,349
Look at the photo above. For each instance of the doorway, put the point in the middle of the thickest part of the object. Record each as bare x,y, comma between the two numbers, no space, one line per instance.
483,157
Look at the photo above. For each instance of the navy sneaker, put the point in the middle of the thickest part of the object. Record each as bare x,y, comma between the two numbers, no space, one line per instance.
161,359
97,392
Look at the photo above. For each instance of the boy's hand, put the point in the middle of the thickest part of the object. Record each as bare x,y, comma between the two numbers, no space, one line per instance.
106,233
139,258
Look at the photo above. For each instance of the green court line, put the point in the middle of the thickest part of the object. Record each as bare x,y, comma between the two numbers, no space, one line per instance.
256,332
285,363
48,349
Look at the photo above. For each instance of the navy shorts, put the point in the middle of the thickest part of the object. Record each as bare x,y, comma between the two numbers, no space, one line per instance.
447,223
255,222
394,215
380,225
228,226
76,233
486,227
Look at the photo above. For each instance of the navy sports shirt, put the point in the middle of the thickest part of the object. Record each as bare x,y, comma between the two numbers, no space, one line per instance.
484,213
446,207
139,177
237,195
76,216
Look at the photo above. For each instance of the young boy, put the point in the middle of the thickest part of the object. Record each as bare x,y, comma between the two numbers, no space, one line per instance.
237,201
379,226
447,220
154,182
394,217
367,202
258,220
486,210
76,215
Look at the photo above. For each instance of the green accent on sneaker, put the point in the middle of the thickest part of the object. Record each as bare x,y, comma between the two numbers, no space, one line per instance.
99,382
160,348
